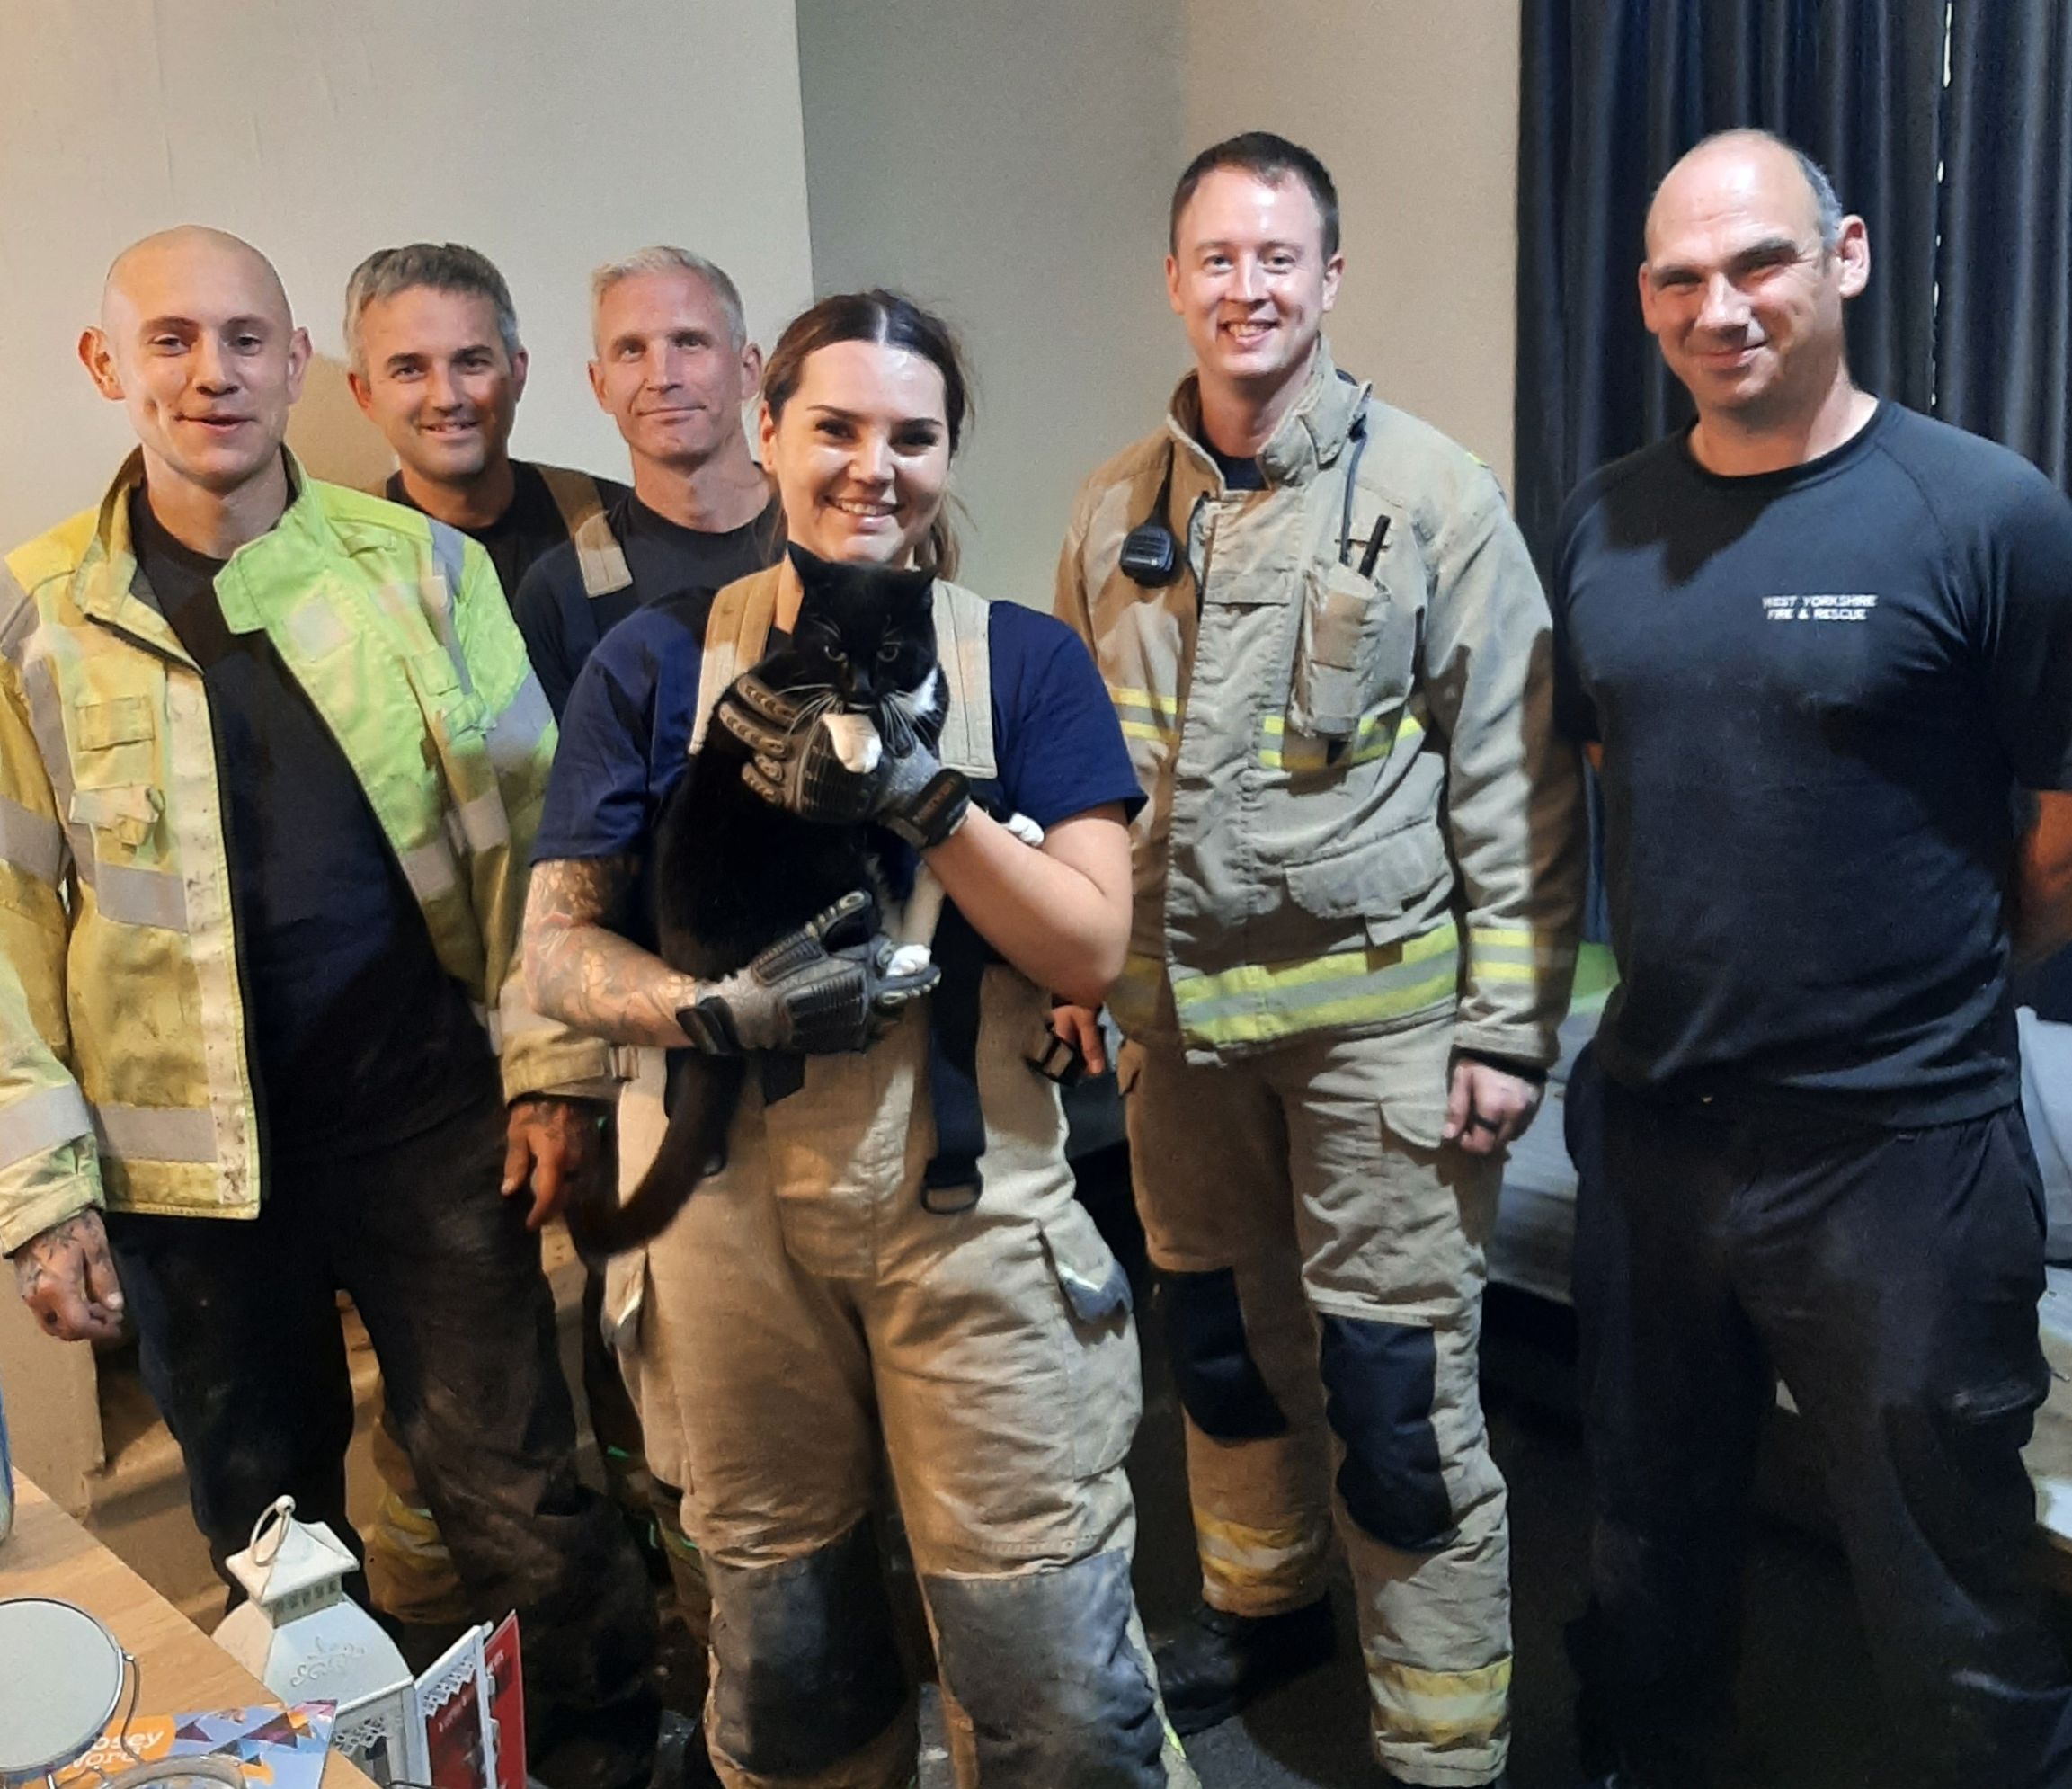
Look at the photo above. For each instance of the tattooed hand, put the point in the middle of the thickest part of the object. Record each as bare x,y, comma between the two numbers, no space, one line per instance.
66,1277
585,974
553,1144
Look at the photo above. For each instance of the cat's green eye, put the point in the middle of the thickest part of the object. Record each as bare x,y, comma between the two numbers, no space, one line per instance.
888,651
835,655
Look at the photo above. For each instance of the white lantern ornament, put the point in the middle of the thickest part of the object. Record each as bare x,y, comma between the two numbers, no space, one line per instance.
306,1640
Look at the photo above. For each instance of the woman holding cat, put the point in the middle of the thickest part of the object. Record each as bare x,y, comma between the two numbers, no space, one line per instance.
819,1304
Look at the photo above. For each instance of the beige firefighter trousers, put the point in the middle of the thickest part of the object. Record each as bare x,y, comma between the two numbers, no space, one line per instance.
820,1321
1319,1246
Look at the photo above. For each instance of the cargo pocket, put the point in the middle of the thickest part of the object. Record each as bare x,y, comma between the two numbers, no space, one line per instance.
127,813
115,753
1099,1340
1375,880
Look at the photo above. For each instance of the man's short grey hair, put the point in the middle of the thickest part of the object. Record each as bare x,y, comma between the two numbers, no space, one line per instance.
1825,200
662,258
444,267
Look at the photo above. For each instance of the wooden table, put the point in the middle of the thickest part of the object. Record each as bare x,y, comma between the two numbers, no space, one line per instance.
49,1555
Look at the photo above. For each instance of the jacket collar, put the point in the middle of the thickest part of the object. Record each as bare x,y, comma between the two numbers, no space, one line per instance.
1310,435
106,584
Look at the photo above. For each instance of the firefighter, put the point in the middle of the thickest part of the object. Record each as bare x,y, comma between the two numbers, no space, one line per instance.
1357,882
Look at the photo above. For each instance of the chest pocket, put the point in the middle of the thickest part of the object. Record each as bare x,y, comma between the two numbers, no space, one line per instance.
115,738
114,772
1355,660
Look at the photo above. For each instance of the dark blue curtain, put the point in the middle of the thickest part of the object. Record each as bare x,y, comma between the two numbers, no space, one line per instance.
1611,92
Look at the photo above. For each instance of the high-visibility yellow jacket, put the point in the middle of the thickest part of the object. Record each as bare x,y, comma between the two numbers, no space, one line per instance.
1359,817
115,899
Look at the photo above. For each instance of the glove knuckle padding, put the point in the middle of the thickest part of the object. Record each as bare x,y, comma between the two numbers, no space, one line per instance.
828,1008
1380,1382
790,954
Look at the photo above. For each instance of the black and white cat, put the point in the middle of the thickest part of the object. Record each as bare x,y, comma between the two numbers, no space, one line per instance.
734,873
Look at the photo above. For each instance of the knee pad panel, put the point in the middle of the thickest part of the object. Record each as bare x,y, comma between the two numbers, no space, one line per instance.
1219,1382
1043,1663
808,1671
1379,1382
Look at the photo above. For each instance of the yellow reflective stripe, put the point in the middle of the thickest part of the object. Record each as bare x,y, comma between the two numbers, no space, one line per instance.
1256,1003
1371,741
1439,1708
1147,714
1512,954
1248,1563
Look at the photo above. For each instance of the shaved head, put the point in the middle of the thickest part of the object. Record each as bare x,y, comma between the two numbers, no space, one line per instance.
186,249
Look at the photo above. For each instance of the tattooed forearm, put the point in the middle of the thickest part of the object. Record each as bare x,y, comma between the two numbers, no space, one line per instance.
587,975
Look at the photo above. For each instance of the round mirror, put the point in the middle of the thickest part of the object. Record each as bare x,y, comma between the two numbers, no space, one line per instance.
64,1674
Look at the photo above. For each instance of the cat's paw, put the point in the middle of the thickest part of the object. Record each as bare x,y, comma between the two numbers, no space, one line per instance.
1025,830
857,746
908,960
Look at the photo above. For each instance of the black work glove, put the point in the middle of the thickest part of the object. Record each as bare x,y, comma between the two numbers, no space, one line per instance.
804,995
798,767
795,765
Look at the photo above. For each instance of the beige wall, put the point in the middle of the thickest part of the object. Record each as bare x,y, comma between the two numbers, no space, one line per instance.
1012,164
549,136
1413,105
1008,164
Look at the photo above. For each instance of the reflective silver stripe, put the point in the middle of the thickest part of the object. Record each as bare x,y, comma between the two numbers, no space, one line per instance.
429,870
156,1132
44,1119
140,897
46,722
483,822
516,733
449,554
33,842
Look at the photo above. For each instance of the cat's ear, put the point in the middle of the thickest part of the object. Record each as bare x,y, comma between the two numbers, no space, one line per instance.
809,566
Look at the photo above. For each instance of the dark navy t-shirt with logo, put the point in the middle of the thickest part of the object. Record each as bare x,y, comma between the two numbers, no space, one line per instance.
1818,691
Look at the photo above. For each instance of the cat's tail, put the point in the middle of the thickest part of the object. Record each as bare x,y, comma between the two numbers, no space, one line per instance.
705,1091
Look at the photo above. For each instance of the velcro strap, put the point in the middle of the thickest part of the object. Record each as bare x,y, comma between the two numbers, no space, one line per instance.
936,812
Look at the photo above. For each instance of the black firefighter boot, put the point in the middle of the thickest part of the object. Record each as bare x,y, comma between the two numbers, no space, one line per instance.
1218,1662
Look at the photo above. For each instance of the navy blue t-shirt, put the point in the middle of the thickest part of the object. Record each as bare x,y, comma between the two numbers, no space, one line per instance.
561,622
1817,692
626,728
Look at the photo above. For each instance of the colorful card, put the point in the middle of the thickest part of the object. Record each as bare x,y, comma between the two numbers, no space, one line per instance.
274,1748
